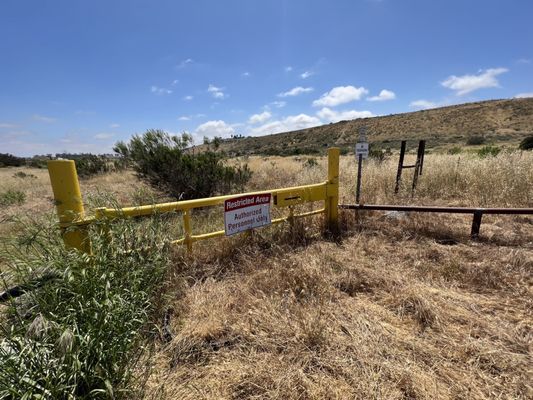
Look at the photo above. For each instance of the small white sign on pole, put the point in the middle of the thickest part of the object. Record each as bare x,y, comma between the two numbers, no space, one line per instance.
246,212
361,148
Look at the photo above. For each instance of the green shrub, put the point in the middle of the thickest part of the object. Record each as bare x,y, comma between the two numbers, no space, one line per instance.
489,151
37,163
9,160
378,154
165,162
526,144
88,165
80,334
475,140
12,197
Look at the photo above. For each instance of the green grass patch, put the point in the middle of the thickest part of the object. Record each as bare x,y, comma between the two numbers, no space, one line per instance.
80,334
12,197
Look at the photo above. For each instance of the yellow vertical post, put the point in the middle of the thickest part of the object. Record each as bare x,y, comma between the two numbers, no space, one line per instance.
332,201
69,203
188,230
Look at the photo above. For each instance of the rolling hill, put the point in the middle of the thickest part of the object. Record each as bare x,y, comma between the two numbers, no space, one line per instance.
499,121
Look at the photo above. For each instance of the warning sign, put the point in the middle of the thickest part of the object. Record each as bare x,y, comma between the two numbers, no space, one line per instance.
246,212
361,148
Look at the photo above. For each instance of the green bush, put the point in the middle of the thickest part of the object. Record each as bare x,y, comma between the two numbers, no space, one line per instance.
9,160
80,334
378,154
526,144
475,140
36,162
165,162
488,151
11,197
88,165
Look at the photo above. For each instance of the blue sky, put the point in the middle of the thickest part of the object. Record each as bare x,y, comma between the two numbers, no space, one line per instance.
79,75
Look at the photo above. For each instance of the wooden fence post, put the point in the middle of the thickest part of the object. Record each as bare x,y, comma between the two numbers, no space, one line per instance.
69,204
332,201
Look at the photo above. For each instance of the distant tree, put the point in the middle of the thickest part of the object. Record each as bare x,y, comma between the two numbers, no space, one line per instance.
9,160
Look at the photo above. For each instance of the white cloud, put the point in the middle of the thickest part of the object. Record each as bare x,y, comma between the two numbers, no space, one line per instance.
211,129
278,104
290,123
296,91
306,74
159,90
103,136
334,116
5,125
383,96
188,98
468,83
423,104
184,118
216,92
523,61
524,95
175,82
184,63
43,118
114,126
288,69
259,118
340,95
245,74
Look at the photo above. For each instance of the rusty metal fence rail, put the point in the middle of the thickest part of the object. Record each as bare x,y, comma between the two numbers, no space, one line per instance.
476,211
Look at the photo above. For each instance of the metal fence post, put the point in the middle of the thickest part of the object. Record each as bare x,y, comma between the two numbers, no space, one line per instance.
400,166
332,201
69,204
476,224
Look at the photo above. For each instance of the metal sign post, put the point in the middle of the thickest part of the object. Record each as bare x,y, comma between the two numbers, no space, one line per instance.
361,152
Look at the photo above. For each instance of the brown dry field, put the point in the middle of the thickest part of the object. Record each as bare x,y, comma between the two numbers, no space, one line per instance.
399,307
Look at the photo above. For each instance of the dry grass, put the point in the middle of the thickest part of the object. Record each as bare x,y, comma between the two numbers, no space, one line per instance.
379,315
398,308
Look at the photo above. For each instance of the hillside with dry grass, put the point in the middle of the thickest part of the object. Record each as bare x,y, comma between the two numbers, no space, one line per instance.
499,121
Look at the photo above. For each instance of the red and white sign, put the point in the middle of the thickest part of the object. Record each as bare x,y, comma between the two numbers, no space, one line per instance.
246,212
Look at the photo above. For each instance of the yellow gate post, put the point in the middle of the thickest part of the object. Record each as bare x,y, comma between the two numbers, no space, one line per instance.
332,201
69,204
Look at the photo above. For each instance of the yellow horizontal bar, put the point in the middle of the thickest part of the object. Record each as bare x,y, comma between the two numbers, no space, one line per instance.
205,236
313,192
299,195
